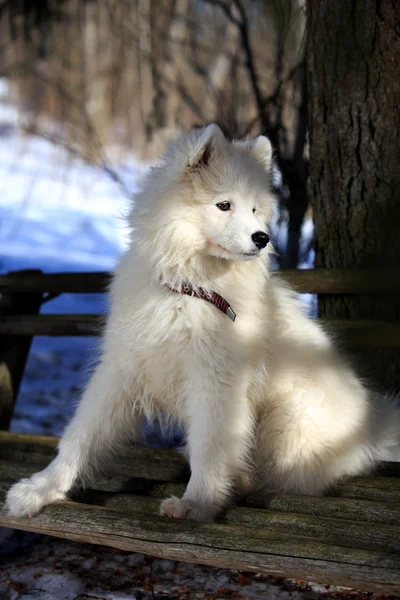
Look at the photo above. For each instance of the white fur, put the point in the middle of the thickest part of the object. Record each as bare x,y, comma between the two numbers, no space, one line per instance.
266,399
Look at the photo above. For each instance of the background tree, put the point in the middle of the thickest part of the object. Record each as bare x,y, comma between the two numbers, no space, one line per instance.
354,113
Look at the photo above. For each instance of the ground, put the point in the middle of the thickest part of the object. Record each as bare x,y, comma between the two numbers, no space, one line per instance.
36,566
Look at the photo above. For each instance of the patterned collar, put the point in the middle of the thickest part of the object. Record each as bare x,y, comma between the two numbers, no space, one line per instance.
211,297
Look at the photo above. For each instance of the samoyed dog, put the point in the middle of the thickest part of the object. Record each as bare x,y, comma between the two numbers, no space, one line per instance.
199,333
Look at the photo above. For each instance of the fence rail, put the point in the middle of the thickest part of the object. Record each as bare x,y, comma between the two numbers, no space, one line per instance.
23,292
362,333
312,281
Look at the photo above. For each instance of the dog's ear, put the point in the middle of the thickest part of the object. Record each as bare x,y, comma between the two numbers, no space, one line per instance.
260,148
203,144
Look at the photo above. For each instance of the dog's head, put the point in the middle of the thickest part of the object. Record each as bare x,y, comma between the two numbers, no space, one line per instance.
209,197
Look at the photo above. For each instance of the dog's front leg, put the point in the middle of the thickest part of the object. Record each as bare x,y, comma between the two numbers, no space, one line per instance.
219,424
104,418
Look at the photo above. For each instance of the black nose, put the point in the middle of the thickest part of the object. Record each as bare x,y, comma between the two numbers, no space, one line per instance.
260,238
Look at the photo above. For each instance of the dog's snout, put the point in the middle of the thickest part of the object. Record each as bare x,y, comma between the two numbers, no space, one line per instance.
260,238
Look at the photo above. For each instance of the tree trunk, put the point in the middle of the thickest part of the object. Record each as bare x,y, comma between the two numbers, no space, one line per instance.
298,204
354,114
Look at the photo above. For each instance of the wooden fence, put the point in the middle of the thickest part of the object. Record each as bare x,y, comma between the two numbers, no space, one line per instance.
24,292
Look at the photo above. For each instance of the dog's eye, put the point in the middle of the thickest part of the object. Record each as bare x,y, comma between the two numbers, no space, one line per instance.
254,210
224,205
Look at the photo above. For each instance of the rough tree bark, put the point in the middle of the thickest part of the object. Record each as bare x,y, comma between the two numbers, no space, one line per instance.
354,114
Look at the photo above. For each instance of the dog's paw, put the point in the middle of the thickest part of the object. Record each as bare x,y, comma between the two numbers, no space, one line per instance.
179,508
28,497
175,508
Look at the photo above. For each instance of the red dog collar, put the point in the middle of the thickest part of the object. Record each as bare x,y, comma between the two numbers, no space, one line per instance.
211,297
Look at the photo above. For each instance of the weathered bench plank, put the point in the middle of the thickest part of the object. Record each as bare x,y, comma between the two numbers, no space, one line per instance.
346,540
140,468
342,530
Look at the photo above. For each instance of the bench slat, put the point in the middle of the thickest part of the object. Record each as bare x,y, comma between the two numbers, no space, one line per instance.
340,531
147,471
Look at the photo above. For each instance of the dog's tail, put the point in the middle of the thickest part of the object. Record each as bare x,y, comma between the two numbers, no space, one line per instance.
386,427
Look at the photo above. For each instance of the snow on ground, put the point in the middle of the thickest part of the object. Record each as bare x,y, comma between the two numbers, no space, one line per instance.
58,214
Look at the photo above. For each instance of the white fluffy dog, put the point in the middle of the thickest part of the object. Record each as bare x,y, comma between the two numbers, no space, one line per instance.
264,400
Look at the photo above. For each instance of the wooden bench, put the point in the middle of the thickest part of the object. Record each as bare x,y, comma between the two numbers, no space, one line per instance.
349,537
